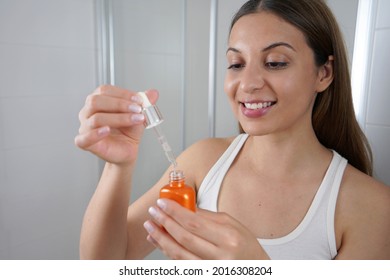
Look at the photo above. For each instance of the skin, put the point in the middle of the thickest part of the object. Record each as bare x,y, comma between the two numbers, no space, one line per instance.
278,170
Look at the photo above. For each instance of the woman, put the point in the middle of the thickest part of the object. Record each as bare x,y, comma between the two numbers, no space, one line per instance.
281,190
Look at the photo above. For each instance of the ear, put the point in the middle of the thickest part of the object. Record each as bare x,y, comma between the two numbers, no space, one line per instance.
325,75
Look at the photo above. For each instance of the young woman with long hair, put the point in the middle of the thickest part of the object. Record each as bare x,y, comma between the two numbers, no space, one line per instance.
295,184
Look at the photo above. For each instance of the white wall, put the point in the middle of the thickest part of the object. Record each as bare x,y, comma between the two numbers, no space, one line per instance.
47,54
345,12
48,66
377,123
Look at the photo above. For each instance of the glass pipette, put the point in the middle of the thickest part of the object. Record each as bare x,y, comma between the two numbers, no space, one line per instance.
153,118
164,144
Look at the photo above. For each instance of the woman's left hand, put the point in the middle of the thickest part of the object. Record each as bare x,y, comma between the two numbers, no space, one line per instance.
201,235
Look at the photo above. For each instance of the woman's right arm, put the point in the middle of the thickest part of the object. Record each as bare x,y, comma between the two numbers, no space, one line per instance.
111,128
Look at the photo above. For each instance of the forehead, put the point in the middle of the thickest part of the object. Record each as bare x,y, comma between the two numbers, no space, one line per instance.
264,28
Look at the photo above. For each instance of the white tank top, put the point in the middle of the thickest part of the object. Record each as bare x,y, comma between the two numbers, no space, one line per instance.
314,237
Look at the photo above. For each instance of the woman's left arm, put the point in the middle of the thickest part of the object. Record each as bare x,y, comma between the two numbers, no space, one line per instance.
201,235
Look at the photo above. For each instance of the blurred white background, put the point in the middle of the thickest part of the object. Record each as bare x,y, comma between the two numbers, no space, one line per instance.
52,56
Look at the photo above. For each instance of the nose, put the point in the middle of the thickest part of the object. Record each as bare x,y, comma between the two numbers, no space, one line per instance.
251,78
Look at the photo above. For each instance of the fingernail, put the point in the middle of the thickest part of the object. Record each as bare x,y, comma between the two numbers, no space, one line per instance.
153,212
137,99
103,130
134,108
149,227
138,118
162,204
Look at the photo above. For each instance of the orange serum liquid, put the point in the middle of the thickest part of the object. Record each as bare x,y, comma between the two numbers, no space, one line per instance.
178,191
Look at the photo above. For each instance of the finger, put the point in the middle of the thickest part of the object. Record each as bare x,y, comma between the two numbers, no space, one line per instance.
184,235
114,91
120,120
151,240
86,140
201,224
217,217
152,95
117,92
233,236
114,102
103,103
162,240
207,234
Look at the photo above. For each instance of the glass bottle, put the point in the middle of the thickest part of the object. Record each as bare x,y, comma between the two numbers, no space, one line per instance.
178,191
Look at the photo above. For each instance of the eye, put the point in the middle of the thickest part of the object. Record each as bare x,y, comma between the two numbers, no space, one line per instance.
236,66
276,65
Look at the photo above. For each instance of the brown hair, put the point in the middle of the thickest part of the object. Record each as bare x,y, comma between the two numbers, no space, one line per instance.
333,115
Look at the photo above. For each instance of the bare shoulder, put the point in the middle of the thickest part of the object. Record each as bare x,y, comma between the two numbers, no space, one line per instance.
364,190
201,156
363,215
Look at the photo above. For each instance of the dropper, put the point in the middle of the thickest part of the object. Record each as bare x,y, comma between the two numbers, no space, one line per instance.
164,144
153,119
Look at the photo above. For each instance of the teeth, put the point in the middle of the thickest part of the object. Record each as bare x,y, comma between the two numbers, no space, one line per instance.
255,106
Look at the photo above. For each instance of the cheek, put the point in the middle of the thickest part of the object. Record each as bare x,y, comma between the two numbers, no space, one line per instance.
296,86
230,89
230,86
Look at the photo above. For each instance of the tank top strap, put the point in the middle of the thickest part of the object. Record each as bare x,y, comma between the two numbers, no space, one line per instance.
211,183
332,201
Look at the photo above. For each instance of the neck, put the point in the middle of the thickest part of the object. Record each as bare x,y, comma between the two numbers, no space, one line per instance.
286,154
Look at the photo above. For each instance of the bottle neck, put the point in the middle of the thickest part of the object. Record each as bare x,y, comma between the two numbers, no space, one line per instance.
177,183
176,178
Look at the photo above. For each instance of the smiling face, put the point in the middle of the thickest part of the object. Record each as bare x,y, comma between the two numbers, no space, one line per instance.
272,79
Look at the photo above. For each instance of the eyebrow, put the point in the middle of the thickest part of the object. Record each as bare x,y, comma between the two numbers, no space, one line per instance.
272,46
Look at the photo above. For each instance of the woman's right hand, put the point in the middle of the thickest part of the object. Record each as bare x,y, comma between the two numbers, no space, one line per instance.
111,124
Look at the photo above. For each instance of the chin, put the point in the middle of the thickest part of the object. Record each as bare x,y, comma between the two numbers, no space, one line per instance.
254,130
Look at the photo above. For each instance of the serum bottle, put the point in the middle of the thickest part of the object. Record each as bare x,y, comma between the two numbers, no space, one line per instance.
178,191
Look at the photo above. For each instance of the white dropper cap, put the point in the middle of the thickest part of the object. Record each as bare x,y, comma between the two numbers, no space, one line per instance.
152,114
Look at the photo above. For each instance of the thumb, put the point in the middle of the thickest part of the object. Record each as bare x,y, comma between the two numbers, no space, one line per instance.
153,95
